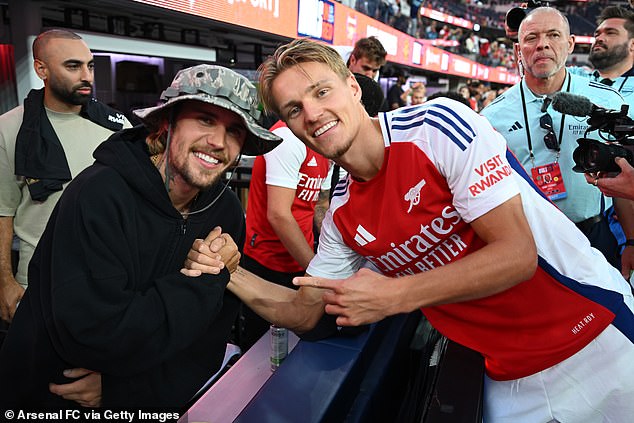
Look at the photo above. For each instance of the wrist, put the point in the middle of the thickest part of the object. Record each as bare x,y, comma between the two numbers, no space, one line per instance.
629,242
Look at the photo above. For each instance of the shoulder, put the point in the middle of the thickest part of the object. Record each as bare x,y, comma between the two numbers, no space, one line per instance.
101,183
106,115
433,112
15,113
11,120
587,87
289,140
580,71
291,151
601,95
10,123
438,119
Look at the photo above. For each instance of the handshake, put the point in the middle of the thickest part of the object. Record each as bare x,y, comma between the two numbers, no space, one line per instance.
212,254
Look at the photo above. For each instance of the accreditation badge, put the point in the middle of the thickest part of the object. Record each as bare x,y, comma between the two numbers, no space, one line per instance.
549,180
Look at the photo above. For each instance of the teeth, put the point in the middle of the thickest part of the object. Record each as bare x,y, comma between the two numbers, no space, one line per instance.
325,128
206,158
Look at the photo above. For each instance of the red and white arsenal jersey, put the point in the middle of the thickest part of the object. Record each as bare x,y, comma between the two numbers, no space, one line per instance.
444,167
289,165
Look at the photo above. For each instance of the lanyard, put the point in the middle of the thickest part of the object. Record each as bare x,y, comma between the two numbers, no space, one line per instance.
528,131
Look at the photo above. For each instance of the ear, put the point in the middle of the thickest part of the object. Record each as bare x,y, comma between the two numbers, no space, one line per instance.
571,44
40,69
517,51
354,85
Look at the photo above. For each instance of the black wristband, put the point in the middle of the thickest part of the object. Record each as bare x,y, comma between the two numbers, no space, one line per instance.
629,242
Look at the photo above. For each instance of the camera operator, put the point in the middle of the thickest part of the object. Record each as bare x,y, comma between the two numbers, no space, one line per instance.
612,56
612,53
543,139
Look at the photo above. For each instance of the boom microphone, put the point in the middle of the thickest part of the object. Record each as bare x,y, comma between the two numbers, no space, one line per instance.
573,104
614,122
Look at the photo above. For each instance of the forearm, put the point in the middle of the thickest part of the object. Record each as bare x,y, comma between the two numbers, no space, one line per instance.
293,239
321,208
625,212
508,258
297,310
6,240
481,274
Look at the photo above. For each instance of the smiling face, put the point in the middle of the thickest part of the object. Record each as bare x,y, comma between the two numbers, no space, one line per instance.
545,43
206,139
322,109
612,44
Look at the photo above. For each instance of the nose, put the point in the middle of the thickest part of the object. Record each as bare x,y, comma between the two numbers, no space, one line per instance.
312,111
87,73
542,42
217,137
598,37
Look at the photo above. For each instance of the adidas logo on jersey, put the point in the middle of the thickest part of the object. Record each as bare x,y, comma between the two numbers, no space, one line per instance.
362,236
312,162
515,127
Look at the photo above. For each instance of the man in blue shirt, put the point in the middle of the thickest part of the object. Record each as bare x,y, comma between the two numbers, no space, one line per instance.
612,53
543,139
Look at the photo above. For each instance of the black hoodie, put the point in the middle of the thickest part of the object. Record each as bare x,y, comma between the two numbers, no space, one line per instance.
105,292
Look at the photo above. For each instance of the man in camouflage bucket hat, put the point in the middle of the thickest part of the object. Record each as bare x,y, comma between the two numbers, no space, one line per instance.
222,87
106,291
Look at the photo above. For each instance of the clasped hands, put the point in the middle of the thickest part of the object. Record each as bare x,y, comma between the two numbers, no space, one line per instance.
212,254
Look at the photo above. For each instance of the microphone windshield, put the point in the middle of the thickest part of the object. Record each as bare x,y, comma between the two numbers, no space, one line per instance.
572,104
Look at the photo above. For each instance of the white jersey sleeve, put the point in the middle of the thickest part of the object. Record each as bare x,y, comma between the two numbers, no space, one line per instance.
284,161
470,154
334,259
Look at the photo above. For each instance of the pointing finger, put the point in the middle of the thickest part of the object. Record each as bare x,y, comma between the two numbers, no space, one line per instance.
317,282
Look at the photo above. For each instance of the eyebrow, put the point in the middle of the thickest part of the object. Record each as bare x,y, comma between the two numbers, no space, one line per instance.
76,62
308,89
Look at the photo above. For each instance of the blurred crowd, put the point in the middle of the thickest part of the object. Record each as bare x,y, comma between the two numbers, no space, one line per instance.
491,50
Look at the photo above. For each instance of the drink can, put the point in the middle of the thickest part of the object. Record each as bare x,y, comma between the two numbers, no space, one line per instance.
279,346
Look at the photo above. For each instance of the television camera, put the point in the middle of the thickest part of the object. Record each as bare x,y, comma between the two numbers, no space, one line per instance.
614,127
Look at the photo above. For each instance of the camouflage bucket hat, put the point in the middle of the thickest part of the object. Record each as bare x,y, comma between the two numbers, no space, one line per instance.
224,88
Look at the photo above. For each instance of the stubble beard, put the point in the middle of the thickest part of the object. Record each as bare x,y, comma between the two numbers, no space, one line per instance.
202,180
338,152
608,58
72,96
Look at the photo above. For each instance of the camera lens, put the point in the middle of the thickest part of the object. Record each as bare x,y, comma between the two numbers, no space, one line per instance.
595,156
514,18
592,157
